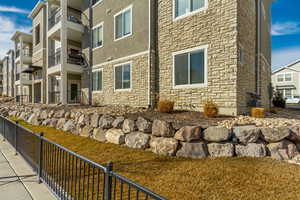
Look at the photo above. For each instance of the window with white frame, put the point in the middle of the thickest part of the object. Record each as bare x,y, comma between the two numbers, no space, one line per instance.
96,1
123,23
280,77
184,7
190,68
288,93
98,36
286,77
97,80
123,76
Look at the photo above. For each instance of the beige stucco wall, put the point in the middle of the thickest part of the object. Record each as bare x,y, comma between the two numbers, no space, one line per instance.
215,27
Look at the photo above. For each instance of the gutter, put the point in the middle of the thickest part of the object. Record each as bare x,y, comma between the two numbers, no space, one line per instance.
258,47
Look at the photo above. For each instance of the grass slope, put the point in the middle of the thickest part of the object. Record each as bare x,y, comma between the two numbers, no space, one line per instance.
188,179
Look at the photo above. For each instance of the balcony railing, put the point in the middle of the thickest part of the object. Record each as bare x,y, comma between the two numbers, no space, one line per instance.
54,97
75,58
18,53
17,76
54,18
26,52
39,75
55,59
24,76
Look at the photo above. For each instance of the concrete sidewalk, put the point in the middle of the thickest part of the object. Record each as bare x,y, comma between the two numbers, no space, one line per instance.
17,179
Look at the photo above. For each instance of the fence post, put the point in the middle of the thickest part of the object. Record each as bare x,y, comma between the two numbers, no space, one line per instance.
40,158
16,136
108,181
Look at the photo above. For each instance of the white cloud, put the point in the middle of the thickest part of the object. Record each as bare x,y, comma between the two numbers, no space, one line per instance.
285,28
285,56
13,9
8,28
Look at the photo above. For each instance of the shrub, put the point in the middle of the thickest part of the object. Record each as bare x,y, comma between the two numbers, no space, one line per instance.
165,106
274,110
210,109
278,100
258,112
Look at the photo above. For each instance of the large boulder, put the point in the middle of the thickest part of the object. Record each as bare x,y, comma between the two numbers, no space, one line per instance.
70,125
53,122
60,123
275,134
295,134
137,140
34,120
217,134
144,125
115,136
129,126
221,150
251,150
68,115
81,120
106,121
247,134
86,131
46,122
44,115
283,150
51,113
162,129
99,134
188,133
23,116
164,146
118,122
192,150
297,159
95,120
59,114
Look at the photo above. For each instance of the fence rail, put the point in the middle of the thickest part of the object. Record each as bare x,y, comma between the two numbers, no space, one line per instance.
69,175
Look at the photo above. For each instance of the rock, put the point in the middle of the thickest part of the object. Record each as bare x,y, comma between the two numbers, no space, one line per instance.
221,150
81,120
188,133
13,113
51,114
275,134
86,131
129,126
251,150
164,146
193,150
295,135
115,136
106,121
69,126
34,120
59,114
118,122
162,128
44,115
144,125
137,140
247,134
60,123
46,122
283,150
68,115
23,116
95,120
297,159
217,134
53,122
99,134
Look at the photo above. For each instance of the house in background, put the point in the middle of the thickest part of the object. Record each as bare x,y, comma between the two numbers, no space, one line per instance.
287,80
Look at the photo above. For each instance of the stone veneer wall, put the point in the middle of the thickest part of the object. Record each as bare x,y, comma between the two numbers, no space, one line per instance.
215,27
137,97
166,138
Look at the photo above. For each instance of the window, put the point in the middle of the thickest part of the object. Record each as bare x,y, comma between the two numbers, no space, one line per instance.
190,68
97,80
241,55
123,24
280,77
37,35
185,7
286,77
288,93
98,36
123,77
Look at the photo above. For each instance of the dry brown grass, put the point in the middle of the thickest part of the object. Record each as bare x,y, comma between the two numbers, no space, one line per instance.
258,112
190,179
165,106
211,109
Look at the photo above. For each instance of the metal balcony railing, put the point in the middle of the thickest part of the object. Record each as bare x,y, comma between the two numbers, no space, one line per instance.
55,59
54,18
54,97
26,52
39,75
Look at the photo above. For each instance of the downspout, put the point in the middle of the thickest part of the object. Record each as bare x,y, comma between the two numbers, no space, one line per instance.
258,46
90,81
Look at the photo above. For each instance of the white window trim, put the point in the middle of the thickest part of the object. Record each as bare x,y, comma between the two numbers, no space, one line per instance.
201,85
96,4
127,89
98,91
97,26
284,93
284,81
189,13
131,24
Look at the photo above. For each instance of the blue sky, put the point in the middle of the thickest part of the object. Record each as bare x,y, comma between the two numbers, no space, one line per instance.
285,27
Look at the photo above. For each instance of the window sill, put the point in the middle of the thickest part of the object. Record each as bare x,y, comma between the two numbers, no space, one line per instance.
123,90
98,3
204,85
97,92
189,14
117,39
97,47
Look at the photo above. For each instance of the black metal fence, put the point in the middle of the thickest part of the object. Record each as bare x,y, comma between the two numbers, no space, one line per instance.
67,174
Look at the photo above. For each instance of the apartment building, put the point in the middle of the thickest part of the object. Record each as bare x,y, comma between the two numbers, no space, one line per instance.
135,52
23,59
286,80
8,73
1,77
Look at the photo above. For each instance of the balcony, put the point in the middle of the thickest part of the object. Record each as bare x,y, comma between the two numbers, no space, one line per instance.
25,79
73,26
26,55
